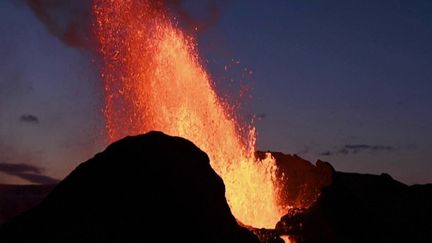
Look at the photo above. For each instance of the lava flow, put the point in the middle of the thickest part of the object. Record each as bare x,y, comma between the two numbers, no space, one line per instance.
154,81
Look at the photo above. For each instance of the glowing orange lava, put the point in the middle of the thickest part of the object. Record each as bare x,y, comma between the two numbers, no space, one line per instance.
154,81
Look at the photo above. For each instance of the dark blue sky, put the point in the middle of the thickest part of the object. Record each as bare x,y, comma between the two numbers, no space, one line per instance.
348,82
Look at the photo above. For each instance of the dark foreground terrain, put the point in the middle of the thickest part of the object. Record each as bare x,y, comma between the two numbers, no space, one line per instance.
364,208
148,188
167,183
15,199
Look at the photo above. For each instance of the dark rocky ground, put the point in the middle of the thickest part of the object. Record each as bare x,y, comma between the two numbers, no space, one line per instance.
15,199
148,188
108,198
300,180
364,208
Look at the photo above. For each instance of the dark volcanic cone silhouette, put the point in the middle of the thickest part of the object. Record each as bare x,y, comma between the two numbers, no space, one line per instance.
359,208
301,181
147,188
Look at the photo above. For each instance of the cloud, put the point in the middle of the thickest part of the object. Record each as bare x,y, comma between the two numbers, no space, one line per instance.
70,20
191,22
27,172
10,168
67,20
357,148
37,178
326,153
29,118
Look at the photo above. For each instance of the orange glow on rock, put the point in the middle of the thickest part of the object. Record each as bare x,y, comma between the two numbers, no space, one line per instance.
154,81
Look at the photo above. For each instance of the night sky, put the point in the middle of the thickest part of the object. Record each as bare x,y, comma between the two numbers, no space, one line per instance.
348,82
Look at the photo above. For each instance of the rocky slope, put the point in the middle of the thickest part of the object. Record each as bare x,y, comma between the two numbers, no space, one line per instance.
167,183
148,188
363,208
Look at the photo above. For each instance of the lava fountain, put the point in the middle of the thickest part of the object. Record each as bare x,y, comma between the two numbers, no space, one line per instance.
154,81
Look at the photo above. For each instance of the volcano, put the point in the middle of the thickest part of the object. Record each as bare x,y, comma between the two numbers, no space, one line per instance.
147,188
154,187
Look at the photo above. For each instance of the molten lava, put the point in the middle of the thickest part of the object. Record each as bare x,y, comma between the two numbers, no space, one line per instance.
154,81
